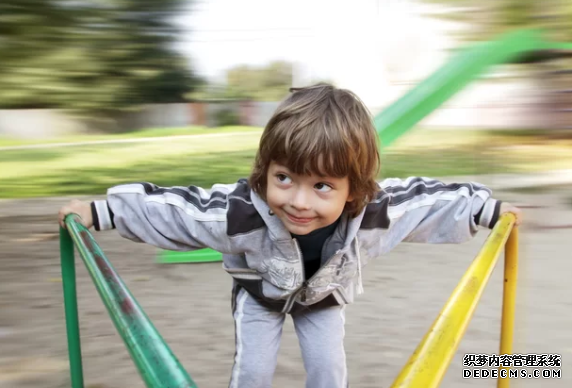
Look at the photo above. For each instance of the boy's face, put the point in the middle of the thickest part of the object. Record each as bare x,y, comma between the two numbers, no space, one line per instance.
305,203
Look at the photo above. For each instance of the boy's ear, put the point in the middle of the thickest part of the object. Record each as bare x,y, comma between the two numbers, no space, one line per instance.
350,198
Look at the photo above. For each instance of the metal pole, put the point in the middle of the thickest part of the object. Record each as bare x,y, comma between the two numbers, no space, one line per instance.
70,306
155,361
428,364
509,298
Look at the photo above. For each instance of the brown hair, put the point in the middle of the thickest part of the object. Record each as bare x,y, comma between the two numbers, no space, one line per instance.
325,131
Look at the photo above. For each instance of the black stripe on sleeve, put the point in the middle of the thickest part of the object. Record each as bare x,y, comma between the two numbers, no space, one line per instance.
94,217
191,194
496,214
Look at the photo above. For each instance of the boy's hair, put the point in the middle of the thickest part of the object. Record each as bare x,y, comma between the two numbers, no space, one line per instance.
324,131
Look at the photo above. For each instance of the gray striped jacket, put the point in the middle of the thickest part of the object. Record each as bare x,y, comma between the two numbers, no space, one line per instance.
259,253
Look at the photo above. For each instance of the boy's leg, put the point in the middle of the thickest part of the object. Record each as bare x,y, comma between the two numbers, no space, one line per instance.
257,335
321,334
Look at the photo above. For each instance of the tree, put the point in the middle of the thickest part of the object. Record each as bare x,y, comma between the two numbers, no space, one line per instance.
488,19
90,55
268,83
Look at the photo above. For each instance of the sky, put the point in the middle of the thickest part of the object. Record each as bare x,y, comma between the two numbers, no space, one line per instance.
364,45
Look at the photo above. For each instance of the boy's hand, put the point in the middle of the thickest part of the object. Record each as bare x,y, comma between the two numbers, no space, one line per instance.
82,209
508,208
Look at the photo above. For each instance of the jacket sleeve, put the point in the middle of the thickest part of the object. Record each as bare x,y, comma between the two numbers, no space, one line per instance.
175,218
424,210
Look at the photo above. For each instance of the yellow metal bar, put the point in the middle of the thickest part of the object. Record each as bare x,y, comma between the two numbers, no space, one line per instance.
428,364
509,300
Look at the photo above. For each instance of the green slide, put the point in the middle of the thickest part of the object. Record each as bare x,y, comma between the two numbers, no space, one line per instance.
467,65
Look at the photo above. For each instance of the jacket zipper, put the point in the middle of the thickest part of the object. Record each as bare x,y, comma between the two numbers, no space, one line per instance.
326,263
306,282
302,288
301,259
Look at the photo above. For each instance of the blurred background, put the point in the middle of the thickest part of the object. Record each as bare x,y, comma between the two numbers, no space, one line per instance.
176,92
106,77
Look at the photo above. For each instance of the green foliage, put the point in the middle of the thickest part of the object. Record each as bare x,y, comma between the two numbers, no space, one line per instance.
493,17
269,83
226,117
90,55
488,19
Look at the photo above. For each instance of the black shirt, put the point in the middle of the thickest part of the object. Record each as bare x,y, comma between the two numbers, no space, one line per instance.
311,246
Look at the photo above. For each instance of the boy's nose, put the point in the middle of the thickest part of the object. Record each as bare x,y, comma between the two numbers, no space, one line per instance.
300,200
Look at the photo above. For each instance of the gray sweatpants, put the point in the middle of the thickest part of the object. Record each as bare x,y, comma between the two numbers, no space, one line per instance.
258,331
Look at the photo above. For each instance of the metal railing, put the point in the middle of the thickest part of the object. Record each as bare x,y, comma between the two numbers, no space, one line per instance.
160,368
428,364
155,361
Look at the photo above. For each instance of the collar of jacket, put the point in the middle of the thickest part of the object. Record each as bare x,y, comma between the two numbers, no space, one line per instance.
278,232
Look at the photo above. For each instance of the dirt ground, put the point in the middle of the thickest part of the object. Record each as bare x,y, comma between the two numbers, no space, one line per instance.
190,305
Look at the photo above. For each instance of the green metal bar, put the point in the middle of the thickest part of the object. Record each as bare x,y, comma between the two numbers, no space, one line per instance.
155,361
463,68
70,307
204,255
558,46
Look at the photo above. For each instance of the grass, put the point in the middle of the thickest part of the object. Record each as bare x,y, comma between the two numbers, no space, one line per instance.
145,133
91,169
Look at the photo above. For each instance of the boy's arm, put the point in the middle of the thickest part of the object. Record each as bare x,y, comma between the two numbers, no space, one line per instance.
430,211
175,218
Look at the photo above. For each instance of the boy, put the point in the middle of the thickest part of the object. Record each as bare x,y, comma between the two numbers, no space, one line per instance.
297,234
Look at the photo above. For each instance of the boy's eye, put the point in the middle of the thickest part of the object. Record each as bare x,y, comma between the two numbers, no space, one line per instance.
282,178
324,188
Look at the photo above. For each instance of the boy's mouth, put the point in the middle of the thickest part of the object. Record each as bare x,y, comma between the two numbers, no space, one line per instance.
298,220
